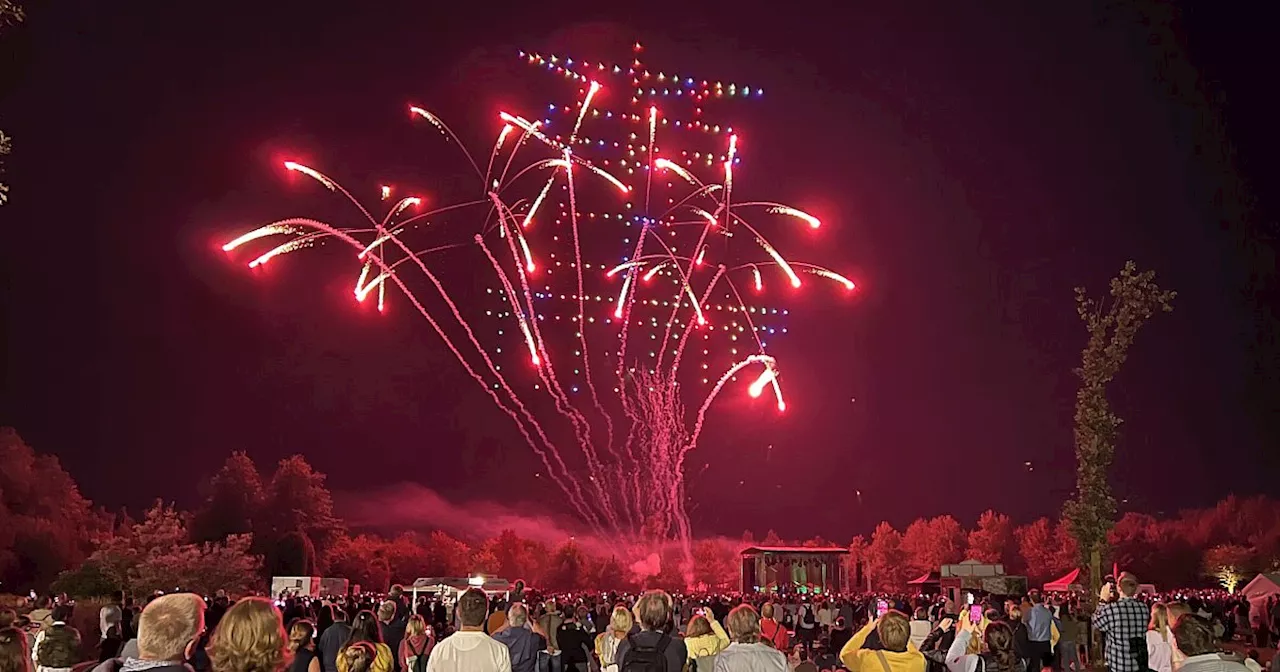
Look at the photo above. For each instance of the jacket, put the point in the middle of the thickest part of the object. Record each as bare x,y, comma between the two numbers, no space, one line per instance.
1213,662
759,657
858,659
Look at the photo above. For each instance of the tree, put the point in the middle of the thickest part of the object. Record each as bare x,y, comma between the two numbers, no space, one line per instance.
447,556
46,526
85,581
292,555
233,503
1133,544
565,567
857,556
362,560
771,538
715,564
1047,551
1112,326
885,558
10,13
992,540
298,501
929,544
1229,563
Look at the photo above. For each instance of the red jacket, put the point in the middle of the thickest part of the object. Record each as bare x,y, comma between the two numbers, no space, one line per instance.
775,634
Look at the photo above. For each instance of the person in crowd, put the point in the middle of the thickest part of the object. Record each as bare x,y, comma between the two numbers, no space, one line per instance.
521,638
1196,640
416,645
111,638
470,649
550,622
302,646
804,662
920,627
826,616
391,627
1068,648
365,629
998,654
59,649
168,628
935,646
704,639
359,657
896,653
14,656
1159,648
840,633
771,631
575,641
42,615
1021,639
1039,621
653,612
333,639
249,637
807,624
1124,621
620,624
1174,611
747,652
498,617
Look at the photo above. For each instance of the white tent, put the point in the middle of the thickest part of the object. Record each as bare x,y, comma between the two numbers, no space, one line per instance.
1261,587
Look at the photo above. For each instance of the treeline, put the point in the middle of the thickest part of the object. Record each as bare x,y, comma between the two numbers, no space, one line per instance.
250,527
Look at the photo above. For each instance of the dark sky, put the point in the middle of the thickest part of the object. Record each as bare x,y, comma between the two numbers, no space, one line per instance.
972,168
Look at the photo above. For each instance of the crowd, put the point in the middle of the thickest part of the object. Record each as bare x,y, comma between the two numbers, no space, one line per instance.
651,632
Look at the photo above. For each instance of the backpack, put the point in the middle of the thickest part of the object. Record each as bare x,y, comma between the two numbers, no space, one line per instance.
808,616
418,661
641,658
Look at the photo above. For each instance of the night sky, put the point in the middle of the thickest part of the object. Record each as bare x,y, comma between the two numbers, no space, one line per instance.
971,169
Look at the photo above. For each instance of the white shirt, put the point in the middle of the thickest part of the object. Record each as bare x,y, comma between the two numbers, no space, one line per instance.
469,652
1159,651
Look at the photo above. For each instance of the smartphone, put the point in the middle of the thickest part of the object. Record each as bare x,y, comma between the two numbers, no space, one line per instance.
968,598
975,613
882,608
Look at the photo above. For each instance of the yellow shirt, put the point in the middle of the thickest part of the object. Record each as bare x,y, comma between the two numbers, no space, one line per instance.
858,659
383,662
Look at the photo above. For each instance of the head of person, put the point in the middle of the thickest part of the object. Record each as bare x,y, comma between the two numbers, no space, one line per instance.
416,627
653,610
766,611
109,618
1035,597
365,628
386,611
7,618
396,591
169,625
518,615
60,647
250,638
62,613
744,624
14,656
922,614
1194,635
698,627
581,613
1159,618
894,630
1128,584
44,602
1015,614
620,620
473,608
301,634
359,656
998,641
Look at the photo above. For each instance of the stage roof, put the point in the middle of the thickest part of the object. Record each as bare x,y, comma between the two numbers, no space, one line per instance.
793,549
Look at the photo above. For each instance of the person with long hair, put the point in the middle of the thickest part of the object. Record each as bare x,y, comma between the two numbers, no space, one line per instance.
999,655
302,645
365,629
620,624
704,638
14,656
1159,645
250,638
416,645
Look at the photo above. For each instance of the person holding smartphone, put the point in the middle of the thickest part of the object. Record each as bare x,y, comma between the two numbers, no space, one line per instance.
896,654
1124,621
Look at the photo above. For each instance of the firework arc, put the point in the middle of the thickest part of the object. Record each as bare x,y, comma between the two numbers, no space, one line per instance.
614,444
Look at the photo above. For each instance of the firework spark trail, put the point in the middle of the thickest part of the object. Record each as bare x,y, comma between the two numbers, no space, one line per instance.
755,334
497,146
466,365
438,123
581,427
582,324
582,113
553,388
688,329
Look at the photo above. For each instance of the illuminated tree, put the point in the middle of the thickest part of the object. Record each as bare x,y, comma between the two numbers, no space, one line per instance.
1112,326
771,538
992,539
1229,564
1047,550
885,558
447,556
929,544
233,503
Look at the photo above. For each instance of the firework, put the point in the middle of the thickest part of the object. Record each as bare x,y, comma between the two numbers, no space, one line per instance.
616,270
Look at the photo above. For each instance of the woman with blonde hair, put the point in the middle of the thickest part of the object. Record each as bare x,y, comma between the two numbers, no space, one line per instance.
1159,644
302,634
250,638
620,624
704,638
416,646
364,631
747,653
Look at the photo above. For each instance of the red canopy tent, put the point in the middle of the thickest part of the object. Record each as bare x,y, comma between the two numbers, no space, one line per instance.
926,579
1064,584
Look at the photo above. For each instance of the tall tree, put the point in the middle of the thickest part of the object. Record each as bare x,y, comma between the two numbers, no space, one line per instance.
1111,325
1047,551
1229,563
297,500
233,503
992,539
565,567
885,558
931,543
